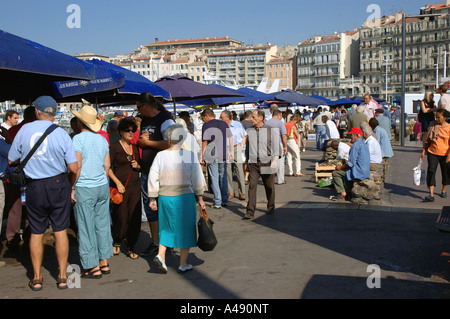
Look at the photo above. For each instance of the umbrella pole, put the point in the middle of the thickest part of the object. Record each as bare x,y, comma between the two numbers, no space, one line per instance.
174,109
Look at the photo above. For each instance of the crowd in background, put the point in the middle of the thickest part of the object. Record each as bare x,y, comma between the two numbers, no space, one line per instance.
165,165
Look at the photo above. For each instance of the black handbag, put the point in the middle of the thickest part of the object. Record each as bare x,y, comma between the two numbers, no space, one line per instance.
15,174
207,240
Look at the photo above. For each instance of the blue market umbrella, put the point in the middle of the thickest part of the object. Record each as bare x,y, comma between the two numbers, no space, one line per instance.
183,89
27,68
105,90
294,97
324,99
260,96
346,102
104,83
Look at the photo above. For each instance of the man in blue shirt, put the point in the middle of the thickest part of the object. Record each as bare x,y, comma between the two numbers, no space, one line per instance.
4,149
356,168
48,187
382,138
237,164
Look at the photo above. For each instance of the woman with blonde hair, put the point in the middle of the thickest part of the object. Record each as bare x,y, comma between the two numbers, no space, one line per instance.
427,111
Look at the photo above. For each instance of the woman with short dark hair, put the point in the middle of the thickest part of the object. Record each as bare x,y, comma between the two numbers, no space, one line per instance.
436,146
124,175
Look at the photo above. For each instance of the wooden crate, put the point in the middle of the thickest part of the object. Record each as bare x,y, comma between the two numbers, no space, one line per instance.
324,171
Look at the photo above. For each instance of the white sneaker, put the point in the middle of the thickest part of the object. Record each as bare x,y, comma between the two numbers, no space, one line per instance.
160,264
183,269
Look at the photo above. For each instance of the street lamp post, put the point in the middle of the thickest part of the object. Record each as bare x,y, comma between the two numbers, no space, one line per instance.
437,74
386,62
402,113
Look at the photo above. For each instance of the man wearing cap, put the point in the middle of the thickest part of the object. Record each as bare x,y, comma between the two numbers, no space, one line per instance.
356,168
48,188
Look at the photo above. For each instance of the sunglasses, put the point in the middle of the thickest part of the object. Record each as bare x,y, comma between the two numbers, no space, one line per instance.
128,130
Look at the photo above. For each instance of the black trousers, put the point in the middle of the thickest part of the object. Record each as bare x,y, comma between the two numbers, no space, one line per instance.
269,186
433,162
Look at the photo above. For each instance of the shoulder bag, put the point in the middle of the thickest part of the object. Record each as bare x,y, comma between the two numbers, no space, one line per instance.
114,195
15,174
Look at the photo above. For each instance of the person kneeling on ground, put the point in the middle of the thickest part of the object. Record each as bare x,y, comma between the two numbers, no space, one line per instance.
356,168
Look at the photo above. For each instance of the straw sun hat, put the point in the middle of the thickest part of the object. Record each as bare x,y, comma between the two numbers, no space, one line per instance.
88,115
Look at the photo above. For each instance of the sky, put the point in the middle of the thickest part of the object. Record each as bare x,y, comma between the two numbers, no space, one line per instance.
110,27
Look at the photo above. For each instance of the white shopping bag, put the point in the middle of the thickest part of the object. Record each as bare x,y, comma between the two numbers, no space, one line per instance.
419,174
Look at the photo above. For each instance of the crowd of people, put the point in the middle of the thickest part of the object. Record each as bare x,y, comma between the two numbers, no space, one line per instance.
165,165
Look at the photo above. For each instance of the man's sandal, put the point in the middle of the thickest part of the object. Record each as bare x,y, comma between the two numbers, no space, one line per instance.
61,283
33,283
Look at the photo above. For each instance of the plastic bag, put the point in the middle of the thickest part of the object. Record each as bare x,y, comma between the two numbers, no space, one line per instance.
419,174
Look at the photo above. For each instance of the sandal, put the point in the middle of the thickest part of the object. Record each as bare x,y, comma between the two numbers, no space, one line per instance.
116,249
130,253
105,272
90,273
61,283
33,283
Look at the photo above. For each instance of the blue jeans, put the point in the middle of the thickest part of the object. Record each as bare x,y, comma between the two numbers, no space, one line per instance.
321,133
217,173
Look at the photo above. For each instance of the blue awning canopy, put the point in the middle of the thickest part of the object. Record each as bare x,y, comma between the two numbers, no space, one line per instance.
27,69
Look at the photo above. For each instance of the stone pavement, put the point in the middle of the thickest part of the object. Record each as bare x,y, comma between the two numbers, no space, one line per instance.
310,248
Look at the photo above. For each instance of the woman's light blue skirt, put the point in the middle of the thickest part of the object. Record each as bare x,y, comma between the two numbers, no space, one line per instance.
177,221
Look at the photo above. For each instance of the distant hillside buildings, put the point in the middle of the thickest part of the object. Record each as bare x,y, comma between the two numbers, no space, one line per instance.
334,65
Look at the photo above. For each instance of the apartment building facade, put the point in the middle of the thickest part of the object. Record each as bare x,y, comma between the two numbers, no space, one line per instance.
427,48
244,65
284,70
323,61
205,45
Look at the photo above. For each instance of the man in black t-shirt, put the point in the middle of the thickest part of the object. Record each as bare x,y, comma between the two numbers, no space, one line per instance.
155,120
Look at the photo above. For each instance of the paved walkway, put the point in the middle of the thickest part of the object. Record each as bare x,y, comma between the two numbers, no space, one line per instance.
310,248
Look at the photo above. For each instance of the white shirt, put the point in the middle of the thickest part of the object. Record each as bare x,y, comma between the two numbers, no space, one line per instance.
331,130
374,149
369,109
342,151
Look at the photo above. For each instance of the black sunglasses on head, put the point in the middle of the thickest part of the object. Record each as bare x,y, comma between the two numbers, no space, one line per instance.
128,130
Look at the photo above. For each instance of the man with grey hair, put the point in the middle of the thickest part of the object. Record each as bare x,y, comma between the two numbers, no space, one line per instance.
217,142
276,123
356,119
356,168
351,111
236,165
261,158
372,143
48,190
370,106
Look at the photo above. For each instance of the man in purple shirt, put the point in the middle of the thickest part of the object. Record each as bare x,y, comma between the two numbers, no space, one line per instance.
215,152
